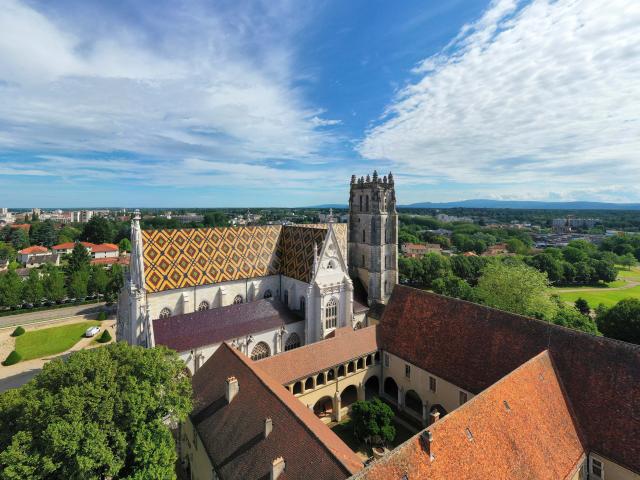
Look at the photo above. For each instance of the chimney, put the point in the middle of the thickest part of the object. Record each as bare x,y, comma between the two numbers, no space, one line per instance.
277,467
434,417
426,438
268,426
232,388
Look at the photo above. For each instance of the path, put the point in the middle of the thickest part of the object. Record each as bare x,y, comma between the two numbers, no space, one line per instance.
50,315
16,375
628,285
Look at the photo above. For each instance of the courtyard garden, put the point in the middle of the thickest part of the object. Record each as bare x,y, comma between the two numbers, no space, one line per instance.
51,341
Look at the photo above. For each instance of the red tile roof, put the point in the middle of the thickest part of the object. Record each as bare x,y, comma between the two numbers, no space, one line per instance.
105,247
473,346
233,433
520,427
23,226
71,245
34,249
110,261
315,357
198,329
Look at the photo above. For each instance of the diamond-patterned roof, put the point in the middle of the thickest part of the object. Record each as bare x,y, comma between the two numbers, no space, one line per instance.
200,256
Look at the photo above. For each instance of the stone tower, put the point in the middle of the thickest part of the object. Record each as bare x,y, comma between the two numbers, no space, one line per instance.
373,235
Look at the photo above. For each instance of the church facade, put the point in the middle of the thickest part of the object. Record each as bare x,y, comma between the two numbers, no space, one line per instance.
265,289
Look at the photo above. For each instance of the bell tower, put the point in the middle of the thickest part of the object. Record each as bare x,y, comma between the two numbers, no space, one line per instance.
373,235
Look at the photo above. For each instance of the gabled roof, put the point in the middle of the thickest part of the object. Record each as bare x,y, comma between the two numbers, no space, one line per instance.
71,245
208,327
520,427
105,247
473,346
300,362
232,433
34,249
199,256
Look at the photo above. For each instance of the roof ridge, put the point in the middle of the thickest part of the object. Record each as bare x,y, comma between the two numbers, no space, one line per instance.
273,386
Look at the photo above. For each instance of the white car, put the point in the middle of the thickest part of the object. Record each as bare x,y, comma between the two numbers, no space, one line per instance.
91,331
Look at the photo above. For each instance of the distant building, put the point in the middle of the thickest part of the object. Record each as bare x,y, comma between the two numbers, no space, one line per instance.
443,217
27,254
81,216
570,223
105,250
414,250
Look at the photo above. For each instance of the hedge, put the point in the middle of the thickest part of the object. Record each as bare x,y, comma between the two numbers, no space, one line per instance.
13,358
17,332
102,315
105,337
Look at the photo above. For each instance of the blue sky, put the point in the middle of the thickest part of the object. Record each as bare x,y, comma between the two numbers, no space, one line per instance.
277,103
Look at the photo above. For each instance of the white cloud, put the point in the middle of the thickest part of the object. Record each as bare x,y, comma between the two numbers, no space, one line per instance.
210,84
543,95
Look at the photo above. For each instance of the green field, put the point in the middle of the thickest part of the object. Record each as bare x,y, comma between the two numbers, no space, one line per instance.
51,341
632,275
596,297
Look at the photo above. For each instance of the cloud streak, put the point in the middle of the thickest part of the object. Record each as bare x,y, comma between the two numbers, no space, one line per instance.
544,95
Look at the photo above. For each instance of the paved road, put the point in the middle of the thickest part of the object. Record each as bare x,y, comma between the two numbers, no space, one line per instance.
53,314
17,380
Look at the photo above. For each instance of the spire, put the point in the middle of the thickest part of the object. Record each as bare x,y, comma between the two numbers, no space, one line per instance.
390,176
353,179
331,219
375,176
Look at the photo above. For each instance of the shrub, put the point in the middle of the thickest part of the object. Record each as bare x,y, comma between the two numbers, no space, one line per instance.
17,332
13,358
102,315
105,337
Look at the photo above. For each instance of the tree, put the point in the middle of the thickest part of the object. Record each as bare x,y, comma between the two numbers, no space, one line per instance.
628,260
7,252
43,233
78,284
10,289
572,318
116,282
453,286
19,239
433,266
54,284
372,421
550,264
98,230
33,291
80,259
515,245
101,414
68,234
622,321
215,219
98,280
582,306
516,288
124,245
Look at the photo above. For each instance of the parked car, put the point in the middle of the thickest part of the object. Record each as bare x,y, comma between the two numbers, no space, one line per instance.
91,331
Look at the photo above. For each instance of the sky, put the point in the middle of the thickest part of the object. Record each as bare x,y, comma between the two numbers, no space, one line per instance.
238,103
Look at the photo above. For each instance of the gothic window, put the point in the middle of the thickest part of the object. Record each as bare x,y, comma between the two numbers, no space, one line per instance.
293,341
268,294
302,304
237,300
204,305
286,297
364,236
366,203
360,202
261,350
331,314
363,262
165,313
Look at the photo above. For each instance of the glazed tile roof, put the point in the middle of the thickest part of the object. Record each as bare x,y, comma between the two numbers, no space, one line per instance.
473,346
199,256
315,357
520,427
232,433
198,329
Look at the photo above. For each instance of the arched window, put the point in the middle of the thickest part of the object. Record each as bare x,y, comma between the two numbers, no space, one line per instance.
302,304
268,294
293,341
261,350
331,314
331,265
204,305
237,300
165,313
286,298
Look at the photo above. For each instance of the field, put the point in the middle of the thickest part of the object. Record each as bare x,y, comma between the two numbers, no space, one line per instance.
626,286
51,341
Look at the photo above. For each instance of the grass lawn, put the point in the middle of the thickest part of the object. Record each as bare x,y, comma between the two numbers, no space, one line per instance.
50,341
596,297
633,274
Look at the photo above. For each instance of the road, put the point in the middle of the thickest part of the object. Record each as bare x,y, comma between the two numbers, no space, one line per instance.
46,315
17,380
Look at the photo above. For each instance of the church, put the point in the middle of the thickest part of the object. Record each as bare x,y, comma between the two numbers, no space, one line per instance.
264,289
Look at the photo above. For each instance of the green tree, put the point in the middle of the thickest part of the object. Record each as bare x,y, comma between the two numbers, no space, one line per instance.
433,266
372,421
571,318
628,260
43,233
515,245
215,219
19,239
69,234
550,264
124,245
516,288
98,230
101,414
33,291
80,259
116,282
622,321
54,286
10,289
7,252
79,283
98,280
582,306
453,286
